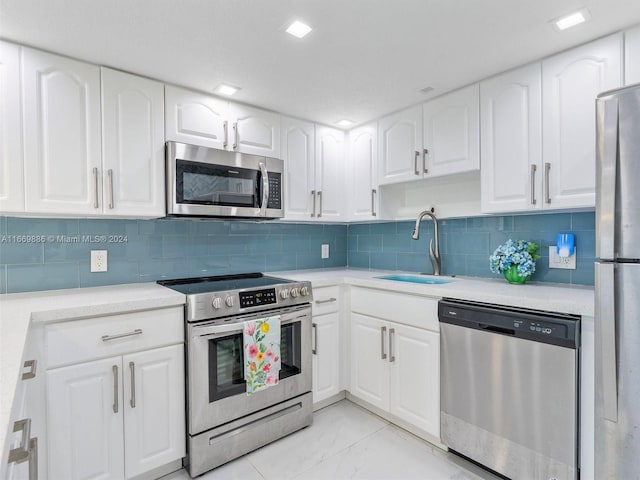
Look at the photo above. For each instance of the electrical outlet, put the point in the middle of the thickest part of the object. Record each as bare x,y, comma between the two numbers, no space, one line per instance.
556,261
98,260
325,250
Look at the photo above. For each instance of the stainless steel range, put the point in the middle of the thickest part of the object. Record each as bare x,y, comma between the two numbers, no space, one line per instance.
223,421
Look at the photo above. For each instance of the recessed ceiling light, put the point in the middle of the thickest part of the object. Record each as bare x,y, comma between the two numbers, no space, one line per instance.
226,90
428,89
298,29
571,20
344,123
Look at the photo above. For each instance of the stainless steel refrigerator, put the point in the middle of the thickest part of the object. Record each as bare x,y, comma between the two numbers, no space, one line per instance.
617,282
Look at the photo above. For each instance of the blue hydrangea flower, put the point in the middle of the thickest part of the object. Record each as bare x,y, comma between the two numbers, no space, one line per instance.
520,252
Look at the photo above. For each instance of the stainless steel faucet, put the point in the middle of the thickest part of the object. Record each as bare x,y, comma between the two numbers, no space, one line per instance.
434,247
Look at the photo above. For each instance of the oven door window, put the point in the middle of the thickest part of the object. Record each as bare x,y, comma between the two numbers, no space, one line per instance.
226,361
206,184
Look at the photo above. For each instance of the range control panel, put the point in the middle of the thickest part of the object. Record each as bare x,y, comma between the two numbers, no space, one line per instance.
258,297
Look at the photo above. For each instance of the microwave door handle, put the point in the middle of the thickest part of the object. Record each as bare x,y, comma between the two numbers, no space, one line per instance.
265,189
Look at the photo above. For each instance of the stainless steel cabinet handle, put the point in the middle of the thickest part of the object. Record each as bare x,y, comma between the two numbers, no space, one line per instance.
392,334
106,338
225,127
383,355
547,167
132,401
314,350
532,178
33,458
415,162
115,388
313,195
20,454
265,189
95,187
31,365
320,200
425,152
373,202
236,135
606,332
328,300
110,178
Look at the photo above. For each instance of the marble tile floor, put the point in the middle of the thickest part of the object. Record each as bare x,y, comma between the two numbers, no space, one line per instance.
346,442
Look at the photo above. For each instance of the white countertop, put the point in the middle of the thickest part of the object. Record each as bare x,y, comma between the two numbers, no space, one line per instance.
19,310
555,297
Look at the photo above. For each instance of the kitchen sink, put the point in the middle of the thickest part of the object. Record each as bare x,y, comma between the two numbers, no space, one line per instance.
426,280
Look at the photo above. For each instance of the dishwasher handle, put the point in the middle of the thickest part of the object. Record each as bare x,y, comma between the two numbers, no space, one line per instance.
494,328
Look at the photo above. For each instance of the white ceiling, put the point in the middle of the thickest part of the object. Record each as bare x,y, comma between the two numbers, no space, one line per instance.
364,58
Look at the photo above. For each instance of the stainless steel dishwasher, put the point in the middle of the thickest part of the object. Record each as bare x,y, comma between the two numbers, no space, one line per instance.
509,388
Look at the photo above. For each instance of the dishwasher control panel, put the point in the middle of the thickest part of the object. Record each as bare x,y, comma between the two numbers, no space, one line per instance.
546,327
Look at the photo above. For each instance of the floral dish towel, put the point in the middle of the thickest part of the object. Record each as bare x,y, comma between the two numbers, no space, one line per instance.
261,353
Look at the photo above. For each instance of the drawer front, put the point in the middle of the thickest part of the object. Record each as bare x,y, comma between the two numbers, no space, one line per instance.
413,310
83,340
326,300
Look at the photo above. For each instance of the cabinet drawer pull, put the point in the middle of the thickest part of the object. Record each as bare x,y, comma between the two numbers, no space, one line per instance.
132,401
314,350
31,365
110,178
392,334
225,127
415,162
236,135
33,458
373,202
320,201
106,338
115,388
328,300
313,195
533,184
95,187
547,167
20,454
383,355
425,152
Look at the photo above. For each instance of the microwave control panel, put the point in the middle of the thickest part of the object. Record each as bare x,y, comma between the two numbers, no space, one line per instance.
275,191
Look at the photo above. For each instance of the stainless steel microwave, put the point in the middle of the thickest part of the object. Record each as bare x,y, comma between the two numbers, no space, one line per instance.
207,182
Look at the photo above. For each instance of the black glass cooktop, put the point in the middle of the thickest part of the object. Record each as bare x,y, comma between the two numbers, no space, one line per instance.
221,283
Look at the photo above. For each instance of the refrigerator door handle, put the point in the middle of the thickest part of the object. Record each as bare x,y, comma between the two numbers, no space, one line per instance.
606,335
607,159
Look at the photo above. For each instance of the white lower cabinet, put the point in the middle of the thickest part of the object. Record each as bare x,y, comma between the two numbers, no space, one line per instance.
327,358
395,366
120,416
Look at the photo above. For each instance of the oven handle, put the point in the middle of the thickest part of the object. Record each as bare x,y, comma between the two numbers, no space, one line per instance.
236,327
265,189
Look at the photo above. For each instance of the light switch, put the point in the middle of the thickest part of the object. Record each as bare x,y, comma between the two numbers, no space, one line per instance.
325,250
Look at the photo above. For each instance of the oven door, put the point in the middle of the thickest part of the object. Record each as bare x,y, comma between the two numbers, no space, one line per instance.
216,386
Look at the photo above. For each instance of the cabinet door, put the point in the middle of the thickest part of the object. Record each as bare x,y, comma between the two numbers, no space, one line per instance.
196,118
452,133
511,130
154,406
84,419
254,131
298,153
369,370
570,82
62,145
400,146
326,356
415,376
11,159
363,157
632,56
330,174
132,145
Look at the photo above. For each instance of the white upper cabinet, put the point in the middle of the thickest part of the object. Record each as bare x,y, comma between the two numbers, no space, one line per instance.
363,161
62,146
451,134
400,146
330,186
132,145
11,175
511,110
298,153
200,119
570,83
254,131
632,56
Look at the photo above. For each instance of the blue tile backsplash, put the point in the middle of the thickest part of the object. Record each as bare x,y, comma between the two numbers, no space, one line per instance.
43,254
